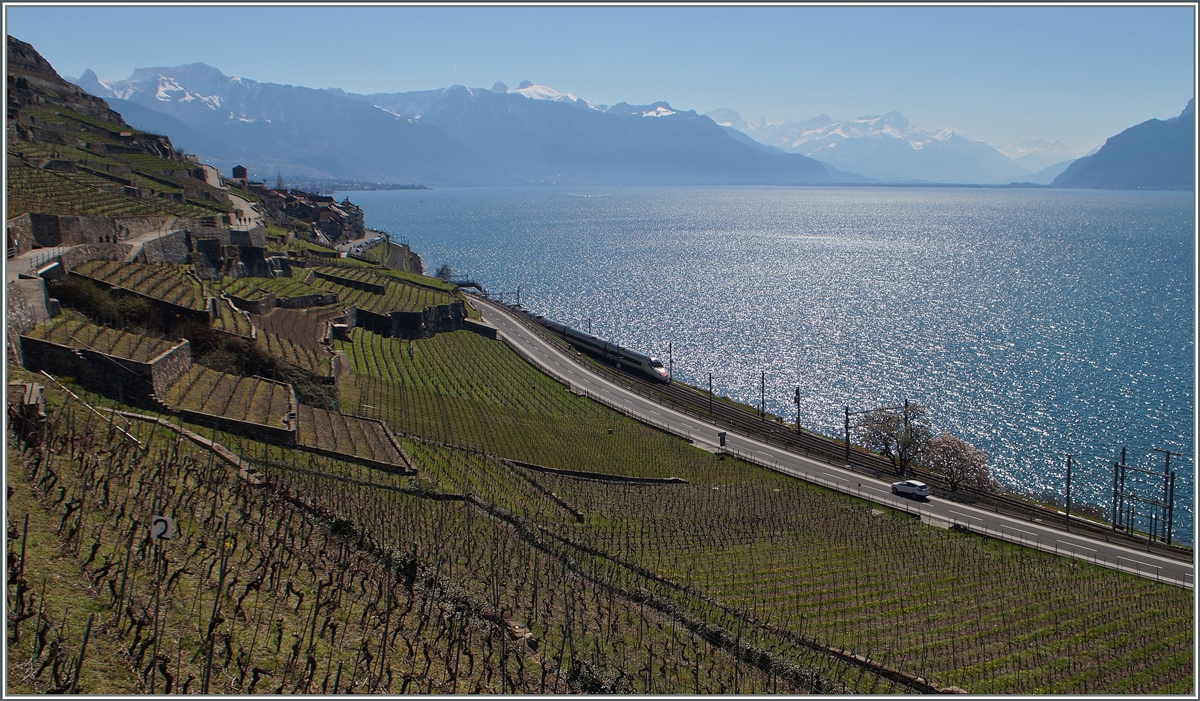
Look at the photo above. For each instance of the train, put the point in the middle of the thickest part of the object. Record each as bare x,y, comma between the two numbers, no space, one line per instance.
625,359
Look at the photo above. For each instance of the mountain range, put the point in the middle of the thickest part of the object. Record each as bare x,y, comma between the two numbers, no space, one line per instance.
534,134
891,149
452,136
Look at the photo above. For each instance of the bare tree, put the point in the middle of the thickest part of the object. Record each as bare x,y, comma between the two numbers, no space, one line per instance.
900,433
961,463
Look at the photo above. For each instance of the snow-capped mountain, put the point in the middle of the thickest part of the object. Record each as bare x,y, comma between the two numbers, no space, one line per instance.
283,128
1036,154
457,135
534,91
886,147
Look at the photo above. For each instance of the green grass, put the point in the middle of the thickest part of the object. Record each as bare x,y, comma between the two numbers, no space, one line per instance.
953,608
399,296
255,288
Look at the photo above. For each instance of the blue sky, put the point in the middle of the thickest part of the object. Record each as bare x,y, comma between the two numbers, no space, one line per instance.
998,74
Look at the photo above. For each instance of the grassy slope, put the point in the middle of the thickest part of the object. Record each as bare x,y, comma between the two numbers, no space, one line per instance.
776,562
458,571
947,606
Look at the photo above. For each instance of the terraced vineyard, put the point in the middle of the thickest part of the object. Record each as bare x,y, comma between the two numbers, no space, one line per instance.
354,274
349,435
952,608
215,393
43,191
463,389
170,283
336,579
73,332
734,580
303,328
232,320
799,561
399,297
421,280
253,289
376,254
305,358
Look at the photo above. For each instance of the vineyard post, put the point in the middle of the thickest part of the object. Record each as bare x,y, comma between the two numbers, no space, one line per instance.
216,603
1170,510
125,576
312,628
157,598
387,619
1113,517
158,567
847,424
1121,494
87,632
21,567
1068,491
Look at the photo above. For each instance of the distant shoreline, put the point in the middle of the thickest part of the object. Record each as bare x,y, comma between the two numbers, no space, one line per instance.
366,187
325,186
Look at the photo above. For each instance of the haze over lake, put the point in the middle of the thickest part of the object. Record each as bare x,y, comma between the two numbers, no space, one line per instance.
1033,323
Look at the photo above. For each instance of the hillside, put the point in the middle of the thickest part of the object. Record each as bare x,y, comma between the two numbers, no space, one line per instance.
1154,155
322,476
70,154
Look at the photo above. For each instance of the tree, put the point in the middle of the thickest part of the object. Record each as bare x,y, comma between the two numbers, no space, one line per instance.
961,463
900,433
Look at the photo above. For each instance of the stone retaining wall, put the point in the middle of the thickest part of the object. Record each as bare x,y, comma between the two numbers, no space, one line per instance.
167,368
423,324
127,380
303,301
270,434
168,248
259,306
49,230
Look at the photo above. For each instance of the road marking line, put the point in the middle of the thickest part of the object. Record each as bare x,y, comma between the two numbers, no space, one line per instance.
1075,548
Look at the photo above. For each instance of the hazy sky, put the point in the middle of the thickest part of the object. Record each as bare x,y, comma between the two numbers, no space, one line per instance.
998,74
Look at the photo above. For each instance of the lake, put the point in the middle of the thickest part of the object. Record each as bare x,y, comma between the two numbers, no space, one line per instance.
1032,323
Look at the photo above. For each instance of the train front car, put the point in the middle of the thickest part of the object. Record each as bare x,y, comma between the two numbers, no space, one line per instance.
657,368
645,365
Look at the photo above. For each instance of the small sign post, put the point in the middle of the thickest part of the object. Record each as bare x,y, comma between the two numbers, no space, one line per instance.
162,528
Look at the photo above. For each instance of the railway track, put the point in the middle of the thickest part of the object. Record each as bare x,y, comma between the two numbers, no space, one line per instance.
696,403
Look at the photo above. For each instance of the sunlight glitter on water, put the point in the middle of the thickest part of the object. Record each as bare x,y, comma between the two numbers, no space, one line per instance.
1034,323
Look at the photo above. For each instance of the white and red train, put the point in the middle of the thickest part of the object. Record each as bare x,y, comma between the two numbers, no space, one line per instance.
625,359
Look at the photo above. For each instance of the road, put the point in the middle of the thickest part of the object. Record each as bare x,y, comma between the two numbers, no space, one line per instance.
934,511
245,213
